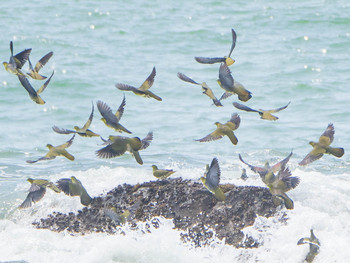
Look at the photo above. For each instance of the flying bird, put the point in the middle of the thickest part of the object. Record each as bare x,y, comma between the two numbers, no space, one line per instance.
211,180
37,191
143,90
84,131
206,90
118,145
264,114
55,151
73,187
224,129
16,62
34,72
112,120
323,146
161,173
34,95
227,59
280,184
314,246
267,172
227,83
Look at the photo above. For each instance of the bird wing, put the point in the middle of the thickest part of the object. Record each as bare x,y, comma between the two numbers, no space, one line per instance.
26,84
310,157
120,110
187,79
125,87
106,112
66,144
149,81
234,38
33,196
278,166
215,135
213,174
205,60
43,87
41,159
226,95
260,170
243,107
232,137
145,142
328,135
234,122
137,156
43,61
278,109
225,77
22,57
88,123
62,131
63,184
149,93
114,149
286,178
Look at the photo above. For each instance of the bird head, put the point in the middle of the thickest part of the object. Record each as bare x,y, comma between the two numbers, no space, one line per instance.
30,180
49,146
74,180
76,128
217,123
229,61
312,143
154,167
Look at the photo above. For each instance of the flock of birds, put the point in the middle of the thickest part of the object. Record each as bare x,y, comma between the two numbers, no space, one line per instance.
278,178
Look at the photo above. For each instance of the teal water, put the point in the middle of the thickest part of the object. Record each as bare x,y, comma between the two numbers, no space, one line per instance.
296,52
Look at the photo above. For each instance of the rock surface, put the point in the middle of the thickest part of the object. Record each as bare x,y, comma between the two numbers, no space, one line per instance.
193,209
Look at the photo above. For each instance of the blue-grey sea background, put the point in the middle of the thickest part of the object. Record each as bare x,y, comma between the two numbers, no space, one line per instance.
294,51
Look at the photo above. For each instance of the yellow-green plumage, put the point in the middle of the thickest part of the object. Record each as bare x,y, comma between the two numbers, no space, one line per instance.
16,62
34,72
73,187
161,173
314,246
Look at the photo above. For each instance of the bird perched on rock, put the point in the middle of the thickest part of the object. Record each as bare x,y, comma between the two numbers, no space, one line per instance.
227,59
117,218
211,180
314,245
323,146
161,173
73,187
264,114
267,171
206,90
118,145
16,62
84,131
224,129
143,90
34,95
112,120
227,83
55,151
34,72
37,191
280,184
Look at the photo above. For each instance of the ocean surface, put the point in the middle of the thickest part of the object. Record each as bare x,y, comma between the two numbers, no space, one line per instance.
296,51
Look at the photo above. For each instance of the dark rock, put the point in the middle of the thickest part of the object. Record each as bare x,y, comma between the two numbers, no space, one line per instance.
193,209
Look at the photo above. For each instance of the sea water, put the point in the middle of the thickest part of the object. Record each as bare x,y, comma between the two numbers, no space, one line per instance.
296,51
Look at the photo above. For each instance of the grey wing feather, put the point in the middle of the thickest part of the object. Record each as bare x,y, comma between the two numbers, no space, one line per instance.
209,138
225,77
125,87
226,95
26,84
43,61
63,184
243,107
187,79
205,60
43,87
329,132
213,175
120,110
34,196
106,112
145,142
234,38
62,131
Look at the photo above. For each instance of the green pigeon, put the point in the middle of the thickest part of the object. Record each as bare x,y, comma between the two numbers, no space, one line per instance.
117,218
227,83
37,191
227,59
143,90
34,95
34,72
161,173
224,129
206,90
244,174
211,180
264,114
16,62
267,172
280,184
73,187
55,151
110,119
118,145
84,131
323,146
314,245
